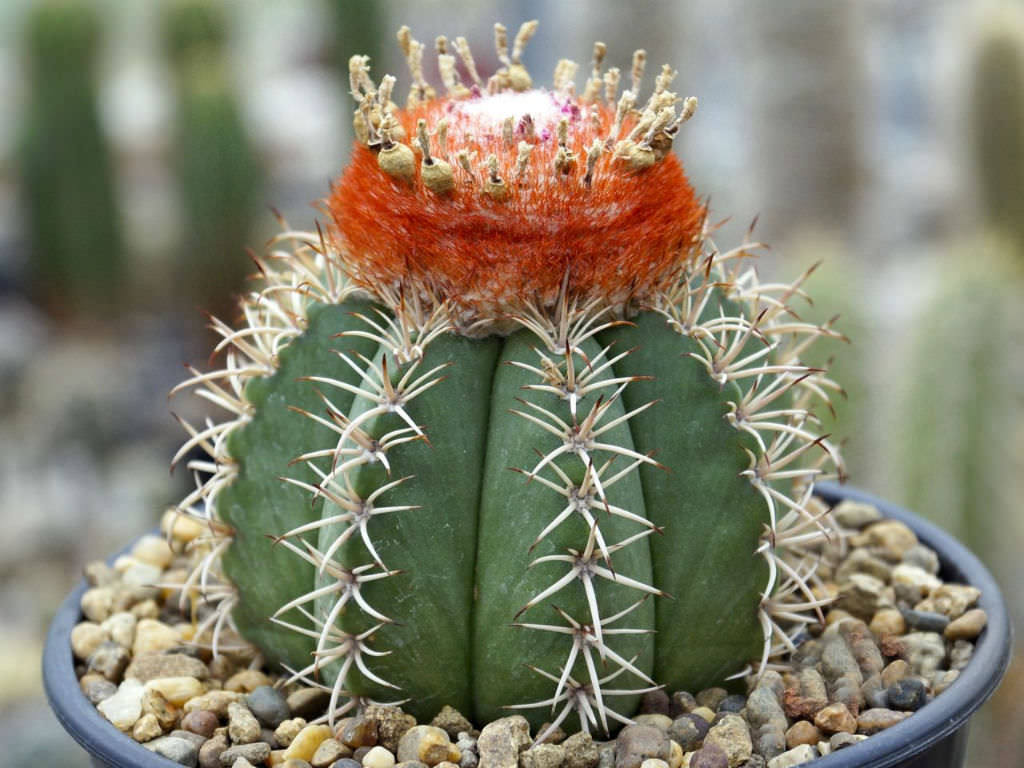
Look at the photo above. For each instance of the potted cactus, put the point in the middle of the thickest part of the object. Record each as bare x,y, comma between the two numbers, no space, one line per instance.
510,433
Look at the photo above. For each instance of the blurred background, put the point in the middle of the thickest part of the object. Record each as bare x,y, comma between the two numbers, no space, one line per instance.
142,144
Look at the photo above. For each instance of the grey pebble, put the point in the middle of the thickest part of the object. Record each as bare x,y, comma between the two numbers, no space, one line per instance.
348,762
925,621
500,742
688,731
907,695
732,703
269,706
636,743
98,689
923,557
176,749
243,727
256,753
768,723
109,660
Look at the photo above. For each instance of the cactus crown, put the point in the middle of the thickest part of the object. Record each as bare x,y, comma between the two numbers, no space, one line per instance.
535,291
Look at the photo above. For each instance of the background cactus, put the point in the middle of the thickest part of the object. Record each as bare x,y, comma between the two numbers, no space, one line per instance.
535,291
219,173
996,116
72,225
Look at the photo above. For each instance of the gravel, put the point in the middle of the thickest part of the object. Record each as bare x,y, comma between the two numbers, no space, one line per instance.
893,640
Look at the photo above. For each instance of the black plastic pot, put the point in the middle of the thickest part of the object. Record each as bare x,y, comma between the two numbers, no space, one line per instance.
934,737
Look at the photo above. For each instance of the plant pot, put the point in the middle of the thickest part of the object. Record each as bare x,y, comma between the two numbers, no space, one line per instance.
934,737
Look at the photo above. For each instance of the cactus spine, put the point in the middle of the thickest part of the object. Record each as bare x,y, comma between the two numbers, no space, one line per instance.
557,310
67,178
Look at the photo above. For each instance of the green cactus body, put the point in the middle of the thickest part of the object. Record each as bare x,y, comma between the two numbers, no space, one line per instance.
546,482
67,177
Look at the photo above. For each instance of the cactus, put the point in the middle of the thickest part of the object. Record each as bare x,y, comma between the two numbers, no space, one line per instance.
511,434
996,112
76,260
218,171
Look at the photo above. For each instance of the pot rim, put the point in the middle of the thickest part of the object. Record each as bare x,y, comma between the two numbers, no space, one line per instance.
938,719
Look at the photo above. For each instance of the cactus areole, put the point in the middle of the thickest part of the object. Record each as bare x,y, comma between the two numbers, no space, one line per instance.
509,433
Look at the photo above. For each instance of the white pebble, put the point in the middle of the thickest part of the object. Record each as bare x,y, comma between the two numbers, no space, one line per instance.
121,628
378,757
124,708
86,637
152,635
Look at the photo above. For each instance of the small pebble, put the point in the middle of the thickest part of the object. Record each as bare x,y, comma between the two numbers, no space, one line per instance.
967,626
86,638
855,514
891,538
109,660
268,705
550,756
177,690
925,621
709,756
895,671
97,603
330,751
121,628
124,708
153,636
358,732
200,721
841,740
210,752
306,742
704,713
452,722
243,727
146,728
392,722
863,595
732,703
378,757
580,751
150,666
954,599
878,719
154,550
688,730
286,732
802,732
923,651
256,753
636,743
923,557
733,736
175,749
907,695
153,703
888,621
213,701
835,718
943,679
796,756
97,688
346,762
